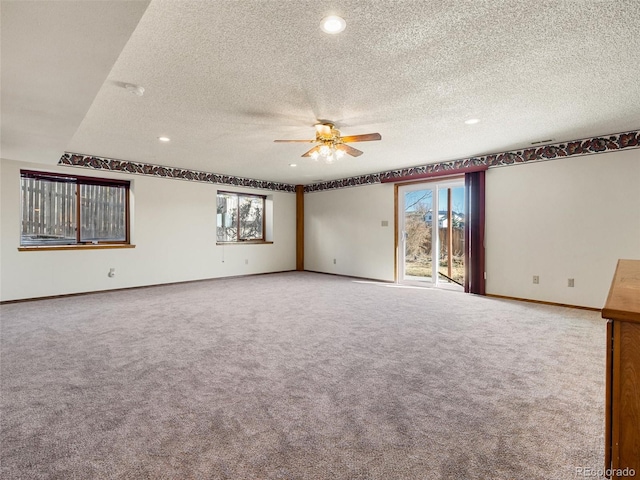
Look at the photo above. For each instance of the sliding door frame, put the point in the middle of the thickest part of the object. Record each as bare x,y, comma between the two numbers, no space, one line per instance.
435,184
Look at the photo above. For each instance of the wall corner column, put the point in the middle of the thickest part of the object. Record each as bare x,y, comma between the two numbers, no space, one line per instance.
300,227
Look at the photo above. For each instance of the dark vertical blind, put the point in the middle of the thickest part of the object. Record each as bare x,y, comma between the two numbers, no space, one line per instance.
474,281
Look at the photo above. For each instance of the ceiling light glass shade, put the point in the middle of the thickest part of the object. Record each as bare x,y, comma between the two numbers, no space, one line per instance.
333,24
327,152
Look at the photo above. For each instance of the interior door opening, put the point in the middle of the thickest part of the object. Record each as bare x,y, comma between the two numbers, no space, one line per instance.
431,248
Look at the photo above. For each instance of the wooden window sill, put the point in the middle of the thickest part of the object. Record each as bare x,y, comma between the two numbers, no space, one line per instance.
100,246
248,242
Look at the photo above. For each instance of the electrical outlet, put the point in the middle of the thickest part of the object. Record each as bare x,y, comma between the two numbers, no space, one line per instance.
112,272
536,279
570,282
334,261
385,223
246,261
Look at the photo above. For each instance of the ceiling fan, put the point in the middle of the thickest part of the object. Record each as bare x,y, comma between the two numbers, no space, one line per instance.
331,145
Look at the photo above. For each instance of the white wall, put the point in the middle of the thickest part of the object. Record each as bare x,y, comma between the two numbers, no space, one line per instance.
570,218
560,219
346,224
173,228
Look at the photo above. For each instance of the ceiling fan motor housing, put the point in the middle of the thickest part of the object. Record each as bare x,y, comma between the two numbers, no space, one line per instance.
327,134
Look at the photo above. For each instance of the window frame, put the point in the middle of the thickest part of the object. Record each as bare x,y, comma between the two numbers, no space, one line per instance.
79,180
238,240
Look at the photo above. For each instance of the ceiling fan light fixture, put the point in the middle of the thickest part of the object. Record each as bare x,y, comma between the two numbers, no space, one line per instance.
330,145
333,24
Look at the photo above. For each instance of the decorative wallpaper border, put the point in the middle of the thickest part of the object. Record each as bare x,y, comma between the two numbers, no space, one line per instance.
541,153
100,163
588,146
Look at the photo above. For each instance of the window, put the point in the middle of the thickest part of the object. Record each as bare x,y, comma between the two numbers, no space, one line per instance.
60,209
240,218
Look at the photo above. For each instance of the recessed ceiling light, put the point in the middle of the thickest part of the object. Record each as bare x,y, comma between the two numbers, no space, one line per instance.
164,139
135,89
471,121
293,165
333,24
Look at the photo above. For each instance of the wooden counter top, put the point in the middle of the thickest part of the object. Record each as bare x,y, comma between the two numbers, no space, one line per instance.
623,302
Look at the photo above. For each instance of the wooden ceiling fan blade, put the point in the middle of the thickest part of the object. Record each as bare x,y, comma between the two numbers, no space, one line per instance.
354,152
367,137
294,141
314,149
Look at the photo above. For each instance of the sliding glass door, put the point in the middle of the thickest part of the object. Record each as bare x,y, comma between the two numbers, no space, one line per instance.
431,233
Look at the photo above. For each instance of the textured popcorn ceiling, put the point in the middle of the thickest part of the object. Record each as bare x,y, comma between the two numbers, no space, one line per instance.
223,79
55,58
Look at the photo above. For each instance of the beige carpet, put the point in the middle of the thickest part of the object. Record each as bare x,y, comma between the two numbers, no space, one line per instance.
299,376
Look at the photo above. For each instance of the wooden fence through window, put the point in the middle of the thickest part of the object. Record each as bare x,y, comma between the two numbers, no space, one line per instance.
49,211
